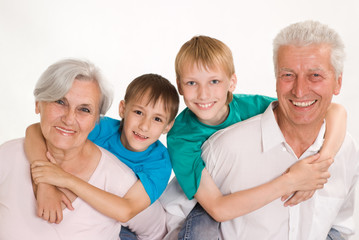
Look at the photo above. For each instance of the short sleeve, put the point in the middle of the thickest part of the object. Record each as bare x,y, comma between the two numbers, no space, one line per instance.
155,175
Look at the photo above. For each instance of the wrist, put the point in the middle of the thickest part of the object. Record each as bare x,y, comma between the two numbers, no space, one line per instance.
288,185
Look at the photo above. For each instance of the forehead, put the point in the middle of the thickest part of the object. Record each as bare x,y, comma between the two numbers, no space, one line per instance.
313,56
84,92
198,68
145,101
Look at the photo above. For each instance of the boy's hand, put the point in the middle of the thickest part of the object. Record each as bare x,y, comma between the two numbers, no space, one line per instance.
309,174
297,197
49,203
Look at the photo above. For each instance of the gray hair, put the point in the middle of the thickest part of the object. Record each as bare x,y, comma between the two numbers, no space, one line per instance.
58,78
311,32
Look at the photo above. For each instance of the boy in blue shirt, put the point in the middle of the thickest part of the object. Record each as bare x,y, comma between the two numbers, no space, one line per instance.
147,111
206,79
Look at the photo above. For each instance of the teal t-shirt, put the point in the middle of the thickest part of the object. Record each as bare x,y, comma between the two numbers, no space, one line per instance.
152,166
187,135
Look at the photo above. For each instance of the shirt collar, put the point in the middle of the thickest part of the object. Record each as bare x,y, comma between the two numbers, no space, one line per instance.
272,135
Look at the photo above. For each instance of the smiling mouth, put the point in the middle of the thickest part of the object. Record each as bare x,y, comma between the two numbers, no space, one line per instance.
205,105
65,130
139,135
304,104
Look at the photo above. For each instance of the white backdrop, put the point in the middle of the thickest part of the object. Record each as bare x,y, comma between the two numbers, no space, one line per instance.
129,38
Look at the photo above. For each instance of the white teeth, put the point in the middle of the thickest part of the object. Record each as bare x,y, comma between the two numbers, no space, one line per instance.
141,136
64,130
303,104
205,105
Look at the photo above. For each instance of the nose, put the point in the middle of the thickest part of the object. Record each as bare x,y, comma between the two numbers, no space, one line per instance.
203,92
300,87
69,117
145,124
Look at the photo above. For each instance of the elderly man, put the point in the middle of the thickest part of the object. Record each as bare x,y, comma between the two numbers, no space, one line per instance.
308,65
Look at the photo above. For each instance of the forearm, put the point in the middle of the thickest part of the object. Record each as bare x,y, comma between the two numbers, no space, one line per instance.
254,198
223,208
336,119
35,147
119,208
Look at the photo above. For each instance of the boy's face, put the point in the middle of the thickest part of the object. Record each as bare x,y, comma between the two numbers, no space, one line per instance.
205,93
143,123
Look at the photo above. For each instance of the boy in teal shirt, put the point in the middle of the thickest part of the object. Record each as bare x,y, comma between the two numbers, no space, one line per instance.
206,79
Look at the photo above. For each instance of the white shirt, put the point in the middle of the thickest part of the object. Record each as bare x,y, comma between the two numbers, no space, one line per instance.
18,218
254,152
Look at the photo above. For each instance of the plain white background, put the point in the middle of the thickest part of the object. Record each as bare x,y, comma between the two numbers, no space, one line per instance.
129,38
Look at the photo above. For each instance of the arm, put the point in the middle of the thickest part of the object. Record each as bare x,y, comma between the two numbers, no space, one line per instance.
120,208
304,175
49,198
336,119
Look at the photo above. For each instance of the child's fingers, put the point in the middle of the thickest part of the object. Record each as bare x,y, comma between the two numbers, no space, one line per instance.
323,165
51,158
312,159
67,202
299,197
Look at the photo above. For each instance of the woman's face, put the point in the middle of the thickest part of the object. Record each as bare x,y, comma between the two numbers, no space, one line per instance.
66,123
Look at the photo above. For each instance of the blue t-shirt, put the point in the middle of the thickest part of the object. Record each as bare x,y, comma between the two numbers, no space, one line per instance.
152,166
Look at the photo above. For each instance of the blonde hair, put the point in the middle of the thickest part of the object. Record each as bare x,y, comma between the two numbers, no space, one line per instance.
205,52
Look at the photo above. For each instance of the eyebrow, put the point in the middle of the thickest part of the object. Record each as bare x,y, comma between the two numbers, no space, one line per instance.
286,69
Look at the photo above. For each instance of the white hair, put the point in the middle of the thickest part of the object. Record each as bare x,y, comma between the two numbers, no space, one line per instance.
311,32
58,78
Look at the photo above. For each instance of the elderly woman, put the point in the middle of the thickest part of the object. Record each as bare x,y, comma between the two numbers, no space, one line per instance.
70,96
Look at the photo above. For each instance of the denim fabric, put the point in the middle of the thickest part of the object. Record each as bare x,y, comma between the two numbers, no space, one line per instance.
334,235
199,225
126,234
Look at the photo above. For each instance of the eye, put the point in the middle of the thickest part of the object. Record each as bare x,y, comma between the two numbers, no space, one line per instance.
190,83
287,76
215,81
138,112
61,102
157,119
315,77
86,110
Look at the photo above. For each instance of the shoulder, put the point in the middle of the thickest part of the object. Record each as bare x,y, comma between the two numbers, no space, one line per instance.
237,131
12,146
109,122
252,98
159,154
112,163
349,149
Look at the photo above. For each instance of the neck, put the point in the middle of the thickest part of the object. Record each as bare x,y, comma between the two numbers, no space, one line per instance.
299,136
72,159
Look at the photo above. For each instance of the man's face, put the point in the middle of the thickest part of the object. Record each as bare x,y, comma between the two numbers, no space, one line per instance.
306,83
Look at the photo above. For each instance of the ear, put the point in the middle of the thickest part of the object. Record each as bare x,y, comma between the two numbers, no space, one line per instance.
232,83
37,109
338,84
178,81
121,109
168,127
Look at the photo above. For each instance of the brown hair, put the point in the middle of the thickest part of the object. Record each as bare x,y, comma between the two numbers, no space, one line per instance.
158,88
